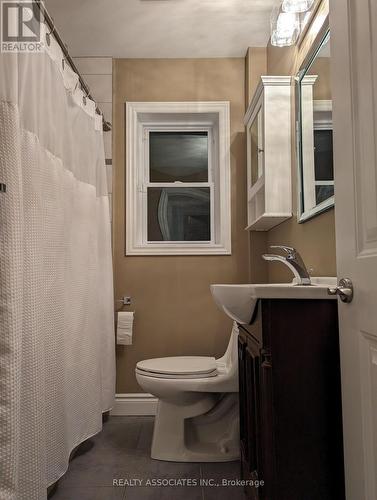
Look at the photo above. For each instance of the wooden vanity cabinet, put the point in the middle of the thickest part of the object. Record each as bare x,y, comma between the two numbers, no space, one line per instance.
290,401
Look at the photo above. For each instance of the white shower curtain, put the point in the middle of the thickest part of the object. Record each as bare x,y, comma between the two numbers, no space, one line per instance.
56,291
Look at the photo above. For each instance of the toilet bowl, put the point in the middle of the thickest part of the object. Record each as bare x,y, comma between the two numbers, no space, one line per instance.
197,416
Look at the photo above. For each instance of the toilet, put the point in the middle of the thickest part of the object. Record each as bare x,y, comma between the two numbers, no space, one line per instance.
197,416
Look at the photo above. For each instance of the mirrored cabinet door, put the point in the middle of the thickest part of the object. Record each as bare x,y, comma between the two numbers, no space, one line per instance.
314,132
256,148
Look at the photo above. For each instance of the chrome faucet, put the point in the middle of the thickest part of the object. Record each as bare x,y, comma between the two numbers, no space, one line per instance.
293,260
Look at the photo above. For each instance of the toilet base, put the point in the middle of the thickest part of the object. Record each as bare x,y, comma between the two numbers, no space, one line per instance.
206,429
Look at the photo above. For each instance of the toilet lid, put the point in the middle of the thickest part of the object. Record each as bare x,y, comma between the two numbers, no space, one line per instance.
179,366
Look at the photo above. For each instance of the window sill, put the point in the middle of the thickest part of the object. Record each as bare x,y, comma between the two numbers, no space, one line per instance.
178,250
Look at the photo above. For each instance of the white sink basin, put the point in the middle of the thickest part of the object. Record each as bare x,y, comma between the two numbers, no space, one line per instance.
239,301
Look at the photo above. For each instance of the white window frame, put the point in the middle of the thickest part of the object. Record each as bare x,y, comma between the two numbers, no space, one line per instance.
145,117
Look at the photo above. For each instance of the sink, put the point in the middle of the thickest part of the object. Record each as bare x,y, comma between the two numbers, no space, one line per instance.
239,301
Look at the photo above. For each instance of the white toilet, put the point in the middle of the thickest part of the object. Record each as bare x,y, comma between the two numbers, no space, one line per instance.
197,416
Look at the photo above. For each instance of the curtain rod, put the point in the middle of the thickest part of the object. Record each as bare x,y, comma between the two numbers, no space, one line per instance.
63,46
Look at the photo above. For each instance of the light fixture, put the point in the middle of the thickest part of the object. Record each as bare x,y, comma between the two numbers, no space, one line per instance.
285,28
297,5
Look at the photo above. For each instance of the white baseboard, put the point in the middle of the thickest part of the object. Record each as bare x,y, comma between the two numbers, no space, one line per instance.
134,404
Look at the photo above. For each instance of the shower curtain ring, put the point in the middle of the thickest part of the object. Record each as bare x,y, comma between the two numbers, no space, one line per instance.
52,29
64,59
85,97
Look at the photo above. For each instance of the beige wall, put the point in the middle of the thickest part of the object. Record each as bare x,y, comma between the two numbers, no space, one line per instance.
315,239
322,86
174,311
255,67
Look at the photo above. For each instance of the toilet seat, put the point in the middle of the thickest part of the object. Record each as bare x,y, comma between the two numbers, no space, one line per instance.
179,367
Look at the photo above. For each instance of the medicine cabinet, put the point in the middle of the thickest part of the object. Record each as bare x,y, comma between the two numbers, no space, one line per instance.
268,126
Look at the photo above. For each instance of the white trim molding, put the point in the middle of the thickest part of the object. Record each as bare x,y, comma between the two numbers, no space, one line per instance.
141,117
134,404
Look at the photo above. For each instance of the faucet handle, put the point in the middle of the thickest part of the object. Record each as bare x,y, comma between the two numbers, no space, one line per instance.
289,250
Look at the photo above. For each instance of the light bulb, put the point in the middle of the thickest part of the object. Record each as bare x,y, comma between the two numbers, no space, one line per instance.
297,5
285,29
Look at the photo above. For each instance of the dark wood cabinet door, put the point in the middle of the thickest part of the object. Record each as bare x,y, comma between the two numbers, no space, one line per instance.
243,398
267,462
249,371
252,370
290,401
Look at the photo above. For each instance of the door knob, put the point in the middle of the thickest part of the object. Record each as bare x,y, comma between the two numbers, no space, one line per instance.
344,290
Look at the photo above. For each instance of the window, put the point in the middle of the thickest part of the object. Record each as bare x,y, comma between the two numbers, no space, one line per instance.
178,178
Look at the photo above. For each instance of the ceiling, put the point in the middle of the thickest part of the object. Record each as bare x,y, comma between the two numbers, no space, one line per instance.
162,28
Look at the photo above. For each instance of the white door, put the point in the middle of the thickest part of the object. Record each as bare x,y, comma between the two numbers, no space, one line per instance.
354,68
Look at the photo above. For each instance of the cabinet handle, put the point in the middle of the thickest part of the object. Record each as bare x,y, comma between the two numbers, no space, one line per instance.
265,355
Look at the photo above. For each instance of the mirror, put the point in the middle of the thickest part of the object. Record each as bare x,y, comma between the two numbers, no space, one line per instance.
314,133
256,148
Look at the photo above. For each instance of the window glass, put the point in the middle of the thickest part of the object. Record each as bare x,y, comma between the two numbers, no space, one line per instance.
323,165
179,214
178,156
324,192
323,155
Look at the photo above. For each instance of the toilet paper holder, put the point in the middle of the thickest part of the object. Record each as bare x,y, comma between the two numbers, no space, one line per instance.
126,300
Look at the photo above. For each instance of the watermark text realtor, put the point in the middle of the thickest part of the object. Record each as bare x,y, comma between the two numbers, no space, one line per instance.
186,482
21,26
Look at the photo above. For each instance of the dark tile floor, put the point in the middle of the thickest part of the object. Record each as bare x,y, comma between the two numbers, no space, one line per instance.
122,452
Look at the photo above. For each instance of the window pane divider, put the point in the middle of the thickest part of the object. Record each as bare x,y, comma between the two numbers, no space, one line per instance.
179,184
